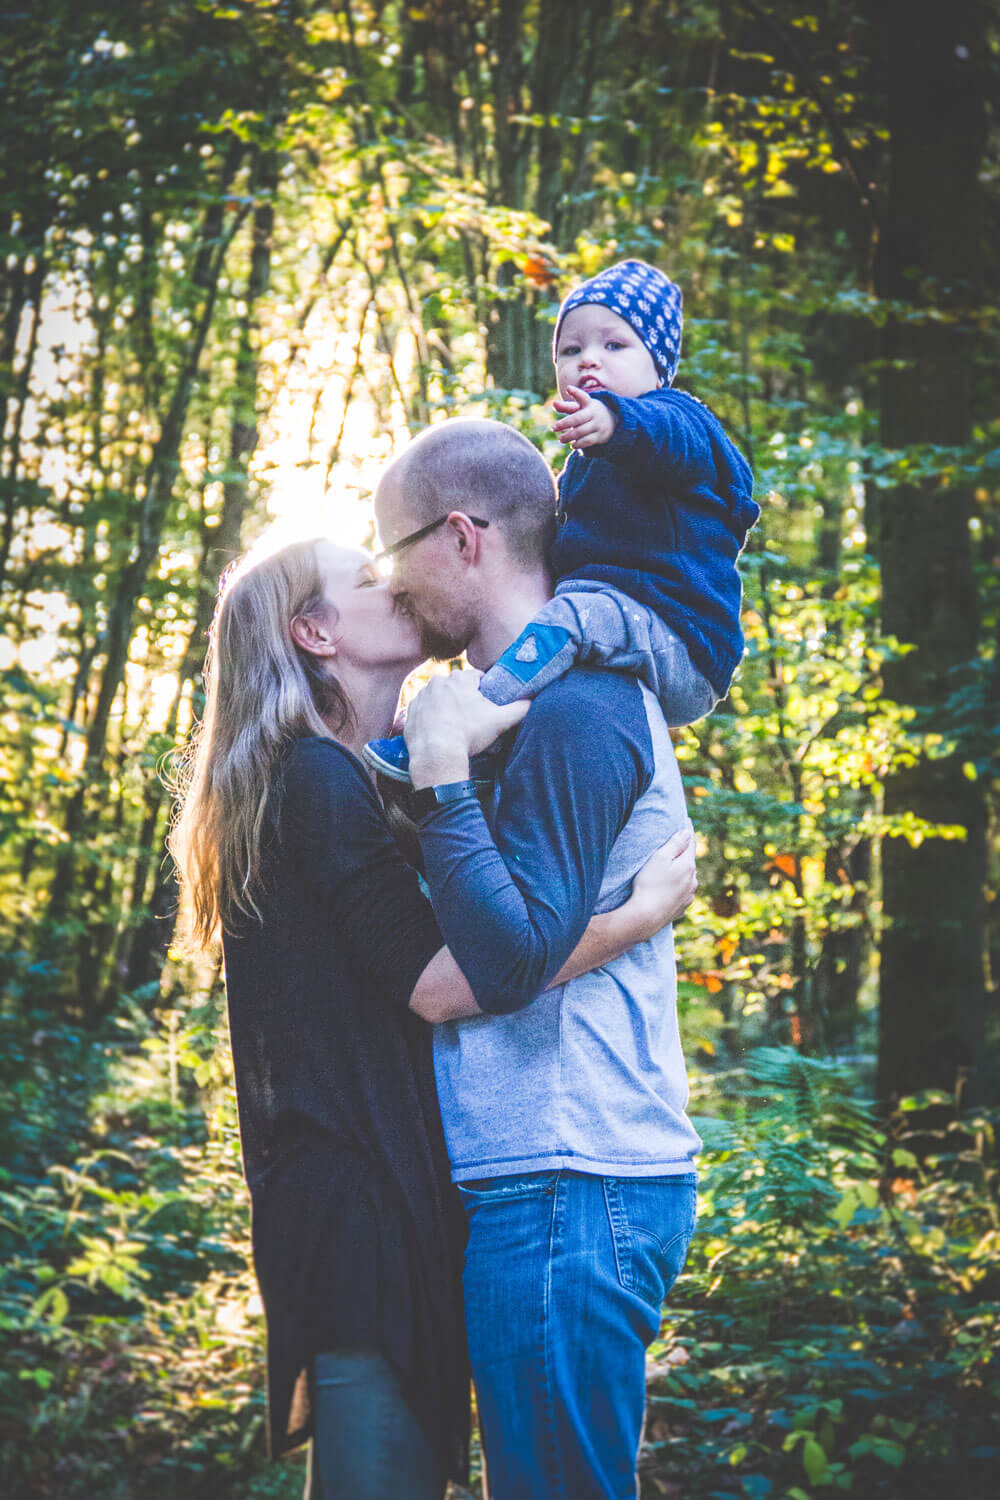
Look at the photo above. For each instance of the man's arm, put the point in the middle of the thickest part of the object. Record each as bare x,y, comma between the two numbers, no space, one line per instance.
514,904
661,893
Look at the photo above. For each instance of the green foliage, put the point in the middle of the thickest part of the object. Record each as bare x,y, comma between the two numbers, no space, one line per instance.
837,1327
132,1336
249,248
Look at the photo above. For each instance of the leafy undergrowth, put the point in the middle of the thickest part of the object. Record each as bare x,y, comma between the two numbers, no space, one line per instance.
130,1355
837,1328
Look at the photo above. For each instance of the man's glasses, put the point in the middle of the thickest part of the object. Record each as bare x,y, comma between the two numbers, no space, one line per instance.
383,559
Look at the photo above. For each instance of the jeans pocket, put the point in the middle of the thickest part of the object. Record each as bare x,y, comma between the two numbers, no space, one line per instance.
505,1269
652,1221
503,1189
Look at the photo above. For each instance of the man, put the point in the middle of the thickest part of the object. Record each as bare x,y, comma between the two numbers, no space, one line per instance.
563,1111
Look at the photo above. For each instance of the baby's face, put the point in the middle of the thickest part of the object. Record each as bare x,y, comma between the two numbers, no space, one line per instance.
599,351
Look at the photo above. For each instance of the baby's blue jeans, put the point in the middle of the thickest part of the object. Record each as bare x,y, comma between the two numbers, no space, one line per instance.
591,624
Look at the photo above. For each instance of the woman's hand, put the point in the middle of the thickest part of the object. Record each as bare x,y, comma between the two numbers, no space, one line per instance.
448,721
661,892
664,888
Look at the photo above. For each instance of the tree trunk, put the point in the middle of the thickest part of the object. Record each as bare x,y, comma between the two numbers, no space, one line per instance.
11,496
840,971
536,166
931,1017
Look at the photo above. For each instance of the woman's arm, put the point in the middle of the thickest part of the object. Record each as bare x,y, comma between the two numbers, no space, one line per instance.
339,834
661,892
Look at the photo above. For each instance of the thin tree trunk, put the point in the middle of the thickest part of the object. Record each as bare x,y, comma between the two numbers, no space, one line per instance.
36,283
931,1017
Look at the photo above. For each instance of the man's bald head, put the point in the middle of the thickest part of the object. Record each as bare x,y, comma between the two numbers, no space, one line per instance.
483,468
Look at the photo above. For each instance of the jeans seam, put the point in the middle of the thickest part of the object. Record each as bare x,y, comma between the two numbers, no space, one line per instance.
681,1234
619,1236
558,1201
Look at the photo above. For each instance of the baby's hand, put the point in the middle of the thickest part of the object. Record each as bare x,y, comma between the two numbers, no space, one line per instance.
585,422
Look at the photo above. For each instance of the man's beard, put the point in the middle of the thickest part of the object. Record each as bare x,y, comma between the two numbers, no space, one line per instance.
438,645
435,642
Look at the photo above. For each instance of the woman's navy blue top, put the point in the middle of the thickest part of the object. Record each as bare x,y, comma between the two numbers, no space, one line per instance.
357,1237
661,511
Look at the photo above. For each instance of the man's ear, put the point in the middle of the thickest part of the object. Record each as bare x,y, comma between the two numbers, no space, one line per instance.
467,535
314,633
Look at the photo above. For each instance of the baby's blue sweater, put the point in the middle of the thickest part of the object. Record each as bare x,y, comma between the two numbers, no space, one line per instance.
661,511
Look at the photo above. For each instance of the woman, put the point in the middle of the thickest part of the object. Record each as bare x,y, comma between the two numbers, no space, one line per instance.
332,957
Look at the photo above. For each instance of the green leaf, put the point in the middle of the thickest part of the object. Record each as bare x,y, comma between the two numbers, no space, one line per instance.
54,1303
868,1193
846,1208
813,1460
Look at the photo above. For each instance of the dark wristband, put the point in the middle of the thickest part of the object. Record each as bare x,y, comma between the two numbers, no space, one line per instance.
429,798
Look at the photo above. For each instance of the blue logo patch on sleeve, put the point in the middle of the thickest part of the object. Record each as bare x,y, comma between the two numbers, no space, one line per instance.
534,648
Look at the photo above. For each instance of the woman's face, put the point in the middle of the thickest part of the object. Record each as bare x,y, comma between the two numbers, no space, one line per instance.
369,629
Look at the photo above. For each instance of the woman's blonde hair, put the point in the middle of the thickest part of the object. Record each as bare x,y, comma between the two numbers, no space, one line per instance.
262,692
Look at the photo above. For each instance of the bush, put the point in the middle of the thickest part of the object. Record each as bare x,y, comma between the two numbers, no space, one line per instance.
838,1325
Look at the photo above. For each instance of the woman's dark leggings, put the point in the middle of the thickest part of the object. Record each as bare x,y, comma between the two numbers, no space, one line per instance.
368,1445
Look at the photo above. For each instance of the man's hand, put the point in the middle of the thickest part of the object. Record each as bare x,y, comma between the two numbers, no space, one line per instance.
666,884
585,422
448,721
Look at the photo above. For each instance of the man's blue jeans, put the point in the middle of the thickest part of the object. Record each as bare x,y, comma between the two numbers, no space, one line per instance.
564,1277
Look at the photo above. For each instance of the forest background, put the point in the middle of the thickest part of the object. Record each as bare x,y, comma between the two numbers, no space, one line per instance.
248,249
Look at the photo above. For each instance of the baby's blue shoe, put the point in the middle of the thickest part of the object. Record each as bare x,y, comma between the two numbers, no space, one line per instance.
391,758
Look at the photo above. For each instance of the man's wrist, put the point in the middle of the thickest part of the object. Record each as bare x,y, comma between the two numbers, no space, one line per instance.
438,766
429,799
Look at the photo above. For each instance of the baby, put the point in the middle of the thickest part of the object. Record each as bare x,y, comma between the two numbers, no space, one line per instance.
654,508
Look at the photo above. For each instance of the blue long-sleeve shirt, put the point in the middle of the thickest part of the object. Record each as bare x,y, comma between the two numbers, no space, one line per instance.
661,511
513,901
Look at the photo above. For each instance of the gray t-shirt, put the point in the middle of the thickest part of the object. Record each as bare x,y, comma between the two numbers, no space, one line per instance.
589,1076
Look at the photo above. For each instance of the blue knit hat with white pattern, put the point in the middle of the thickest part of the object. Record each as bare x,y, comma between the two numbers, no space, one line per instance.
646,299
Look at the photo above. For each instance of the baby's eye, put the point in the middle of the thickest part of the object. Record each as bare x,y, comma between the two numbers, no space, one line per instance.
569,349
615,344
